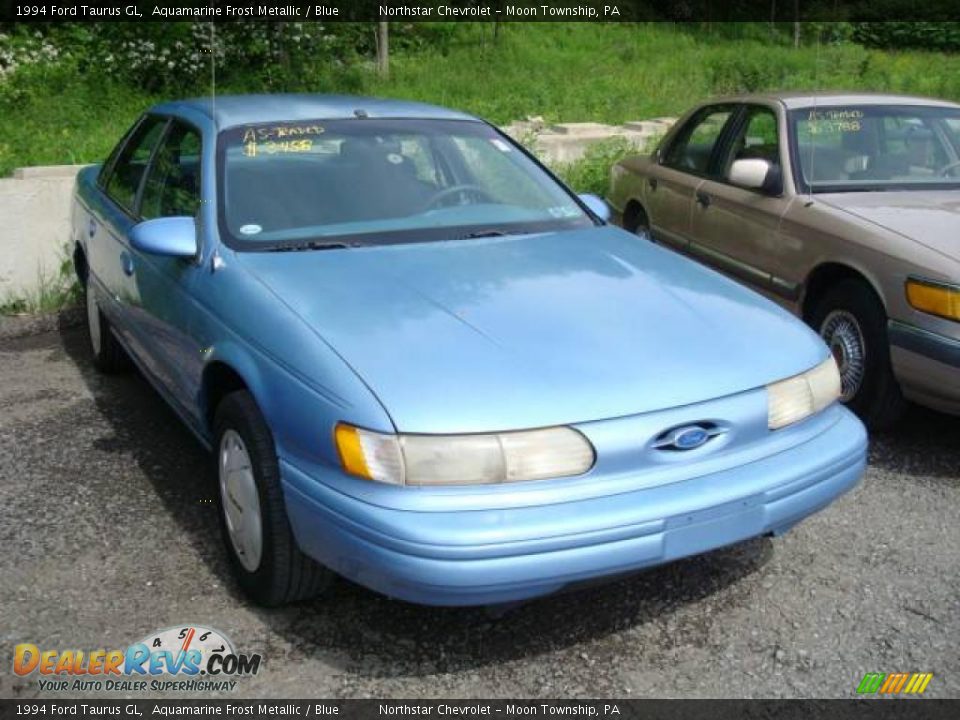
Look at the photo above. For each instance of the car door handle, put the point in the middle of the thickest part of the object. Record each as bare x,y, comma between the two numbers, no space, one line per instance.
92,227
703,199
652,182
126,262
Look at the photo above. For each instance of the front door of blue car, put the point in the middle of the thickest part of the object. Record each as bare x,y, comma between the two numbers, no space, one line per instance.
111,256
155,289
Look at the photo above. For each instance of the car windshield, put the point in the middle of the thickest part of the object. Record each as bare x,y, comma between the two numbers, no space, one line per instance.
877,147
374,181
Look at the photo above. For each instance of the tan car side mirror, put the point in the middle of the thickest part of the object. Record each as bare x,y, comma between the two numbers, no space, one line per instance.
755,174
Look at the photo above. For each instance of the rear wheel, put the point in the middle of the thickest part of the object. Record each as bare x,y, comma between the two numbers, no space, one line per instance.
108,356
851,320
256,531
637,222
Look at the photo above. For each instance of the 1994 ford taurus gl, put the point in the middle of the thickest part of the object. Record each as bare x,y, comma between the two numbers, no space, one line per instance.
425,365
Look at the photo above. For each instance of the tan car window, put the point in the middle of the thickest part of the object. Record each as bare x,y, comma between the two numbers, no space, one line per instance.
910,147
694,145
876,146
757,139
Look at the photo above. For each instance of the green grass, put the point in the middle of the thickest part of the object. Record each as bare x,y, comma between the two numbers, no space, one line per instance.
612,73
562,71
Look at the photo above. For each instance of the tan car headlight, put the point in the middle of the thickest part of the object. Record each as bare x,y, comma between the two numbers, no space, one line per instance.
463,459
800,396
934,298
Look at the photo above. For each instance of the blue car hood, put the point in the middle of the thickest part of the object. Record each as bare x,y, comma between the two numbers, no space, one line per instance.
536,330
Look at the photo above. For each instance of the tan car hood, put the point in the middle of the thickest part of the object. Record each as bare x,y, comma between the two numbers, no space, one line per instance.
930,218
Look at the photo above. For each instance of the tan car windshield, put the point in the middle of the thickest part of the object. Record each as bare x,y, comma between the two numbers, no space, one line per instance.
877,147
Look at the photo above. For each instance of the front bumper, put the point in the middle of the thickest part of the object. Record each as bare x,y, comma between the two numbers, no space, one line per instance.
927,366
498,555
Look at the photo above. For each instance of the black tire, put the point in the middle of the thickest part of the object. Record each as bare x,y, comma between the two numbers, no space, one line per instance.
877,398
108,355
638,222
284,573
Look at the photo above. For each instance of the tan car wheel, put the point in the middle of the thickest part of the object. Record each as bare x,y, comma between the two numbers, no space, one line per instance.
851,320
842,333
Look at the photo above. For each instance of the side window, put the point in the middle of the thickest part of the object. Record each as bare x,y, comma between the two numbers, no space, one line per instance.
106,169
173,183
757,139
125,180
693,146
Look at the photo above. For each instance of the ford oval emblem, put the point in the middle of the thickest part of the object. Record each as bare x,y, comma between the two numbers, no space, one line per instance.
687,437
690,438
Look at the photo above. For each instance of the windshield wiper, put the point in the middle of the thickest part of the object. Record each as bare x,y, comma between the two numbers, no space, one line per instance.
308,245
484,234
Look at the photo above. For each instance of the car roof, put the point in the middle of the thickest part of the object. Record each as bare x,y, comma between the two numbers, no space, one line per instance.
807,98
230,110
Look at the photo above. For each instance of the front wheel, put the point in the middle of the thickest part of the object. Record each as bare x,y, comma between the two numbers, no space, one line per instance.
253,518
851,321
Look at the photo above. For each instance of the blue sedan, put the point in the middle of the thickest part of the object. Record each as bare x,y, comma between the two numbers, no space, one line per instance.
421,363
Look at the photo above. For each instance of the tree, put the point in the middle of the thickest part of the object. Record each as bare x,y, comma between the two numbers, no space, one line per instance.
383,48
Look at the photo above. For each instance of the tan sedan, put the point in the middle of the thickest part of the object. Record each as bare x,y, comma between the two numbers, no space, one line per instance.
843,208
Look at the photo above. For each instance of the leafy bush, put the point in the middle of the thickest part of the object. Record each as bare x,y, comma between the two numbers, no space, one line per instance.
591,173
23,49
944,36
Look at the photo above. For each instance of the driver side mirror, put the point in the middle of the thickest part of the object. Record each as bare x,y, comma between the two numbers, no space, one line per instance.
756,174
597,206
168,236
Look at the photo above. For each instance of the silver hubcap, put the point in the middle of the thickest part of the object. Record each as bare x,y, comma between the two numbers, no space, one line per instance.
643,232
93,321
240,501
841,331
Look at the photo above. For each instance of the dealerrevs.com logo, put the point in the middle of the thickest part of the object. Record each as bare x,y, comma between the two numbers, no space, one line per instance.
187,658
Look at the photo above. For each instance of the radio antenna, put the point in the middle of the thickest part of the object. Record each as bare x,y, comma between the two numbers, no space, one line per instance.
815,121
213,69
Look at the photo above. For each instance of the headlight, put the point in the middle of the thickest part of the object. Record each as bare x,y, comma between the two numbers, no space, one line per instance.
934,298
463,459
800,396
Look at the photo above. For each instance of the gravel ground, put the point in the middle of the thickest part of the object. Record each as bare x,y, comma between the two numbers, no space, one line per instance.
107,523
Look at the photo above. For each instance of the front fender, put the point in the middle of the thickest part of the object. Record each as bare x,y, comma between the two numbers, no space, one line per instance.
300,384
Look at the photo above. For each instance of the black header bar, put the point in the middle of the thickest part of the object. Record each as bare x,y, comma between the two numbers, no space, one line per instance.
479,10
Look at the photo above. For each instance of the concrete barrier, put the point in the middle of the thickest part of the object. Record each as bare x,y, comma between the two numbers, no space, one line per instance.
564,143
34,227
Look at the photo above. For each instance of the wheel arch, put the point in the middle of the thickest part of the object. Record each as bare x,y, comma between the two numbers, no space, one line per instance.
827,275
222,376
80,265
633,211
